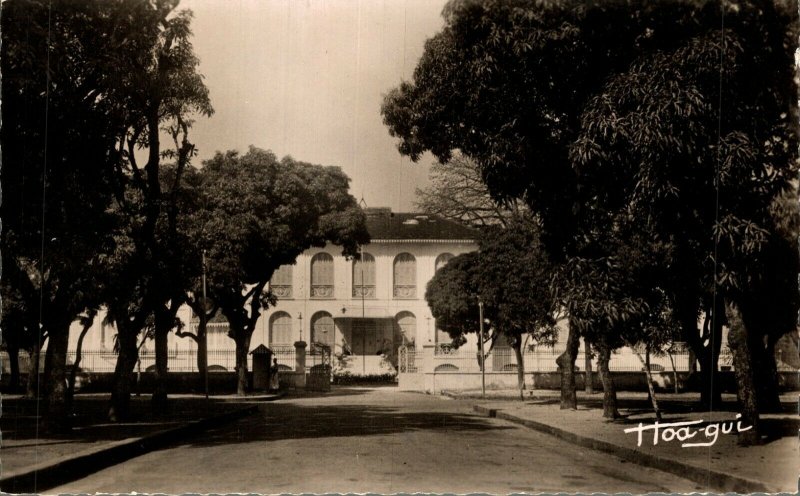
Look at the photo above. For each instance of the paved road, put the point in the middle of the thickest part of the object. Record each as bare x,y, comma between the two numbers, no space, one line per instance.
374,440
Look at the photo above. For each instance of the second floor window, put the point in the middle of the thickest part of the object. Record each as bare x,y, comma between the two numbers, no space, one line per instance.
442,260
364,277
405,276
281,282
322,276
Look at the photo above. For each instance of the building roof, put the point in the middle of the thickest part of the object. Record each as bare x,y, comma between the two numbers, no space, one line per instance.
387,226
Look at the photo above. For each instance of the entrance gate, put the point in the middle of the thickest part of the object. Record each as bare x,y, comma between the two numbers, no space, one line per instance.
319,368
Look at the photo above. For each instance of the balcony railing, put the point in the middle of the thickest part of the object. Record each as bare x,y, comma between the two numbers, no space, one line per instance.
363,291
322,291
282,290
405,291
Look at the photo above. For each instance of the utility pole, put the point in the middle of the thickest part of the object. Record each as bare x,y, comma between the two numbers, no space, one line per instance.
363,312
205,331
483,355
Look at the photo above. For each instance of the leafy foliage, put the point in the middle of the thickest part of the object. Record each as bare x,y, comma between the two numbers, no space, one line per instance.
626,126
510,274
256,213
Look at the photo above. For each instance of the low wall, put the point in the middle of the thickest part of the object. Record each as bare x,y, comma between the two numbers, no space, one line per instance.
318,382
179,382
453,381
411,382
436,382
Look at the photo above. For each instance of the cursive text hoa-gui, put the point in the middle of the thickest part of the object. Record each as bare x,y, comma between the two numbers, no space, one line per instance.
685,431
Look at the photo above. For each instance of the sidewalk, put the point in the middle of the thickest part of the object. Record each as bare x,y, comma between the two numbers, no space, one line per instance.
33,460
723,466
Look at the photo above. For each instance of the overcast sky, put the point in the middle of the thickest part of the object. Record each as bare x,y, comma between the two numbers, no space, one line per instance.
306,78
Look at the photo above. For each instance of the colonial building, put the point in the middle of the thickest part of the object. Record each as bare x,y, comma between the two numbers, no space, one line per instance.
365,308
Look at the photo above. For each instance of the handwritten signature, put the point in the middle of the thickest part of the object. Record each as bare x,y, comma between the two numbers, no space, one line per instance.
683,431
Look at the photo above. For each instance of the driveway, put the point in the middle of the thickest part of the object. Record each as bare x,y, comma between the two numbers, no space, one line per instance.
374,440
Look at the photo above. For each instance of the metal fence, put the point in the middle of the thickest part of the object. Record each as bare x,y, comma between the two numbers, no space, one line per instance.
178,360
285,354
541,359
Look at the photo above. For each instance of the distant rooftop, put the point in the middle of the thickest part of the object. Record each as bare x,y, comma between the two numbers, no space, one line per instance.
383,224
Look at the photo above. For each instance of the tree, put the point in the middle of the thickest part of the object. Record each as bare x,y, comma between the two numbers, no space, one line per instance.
457,192
661,164
516,86
506,83
20,322
514,275
258,213
155,89
510,275
57,136
100,81
452,295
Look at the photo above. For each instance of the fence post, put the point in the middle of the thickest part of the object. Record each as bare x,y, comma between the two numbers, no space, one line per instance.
426,366
300,362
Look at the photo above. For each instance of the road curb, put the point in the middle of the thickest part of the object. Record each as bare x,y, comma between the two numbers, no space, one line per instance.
719,481
69,468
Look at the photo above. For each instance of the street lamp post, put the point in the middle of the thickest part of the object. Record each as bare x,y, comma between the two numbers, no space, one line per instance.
205,331
300,331
483,356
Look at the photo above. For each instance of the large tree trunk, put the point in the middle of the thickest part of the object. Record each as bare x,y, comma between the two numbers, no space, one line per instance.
766,377
517,345
242,348
588,385
739,342
76,364
202,354
649,378
201,339
609,393
706,356
165,319
57,408
159,398
711,394
566,363
32,388
119,410
674,371
13,362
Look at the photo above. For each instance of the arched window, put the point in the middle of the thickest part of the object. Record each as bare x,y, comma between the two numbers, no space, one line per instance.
408,327
280,329
281,282
322,276
364,277
322,329
442,260
405,276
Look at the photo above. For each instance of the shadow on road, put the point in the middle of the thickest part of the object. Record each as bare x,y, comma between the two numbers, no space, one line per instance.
21,419
290,421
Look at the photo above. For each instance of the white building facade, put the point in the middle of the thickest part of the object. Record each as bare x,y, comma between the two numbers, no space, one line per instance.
365,308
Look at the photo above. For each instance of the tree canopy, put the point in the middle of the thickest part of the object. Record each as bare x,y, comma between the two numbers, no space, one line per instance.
613,119
510,274
257,213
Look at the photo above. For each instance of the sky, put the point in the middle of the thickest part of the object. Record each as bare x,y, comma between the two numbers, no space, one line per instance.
306,78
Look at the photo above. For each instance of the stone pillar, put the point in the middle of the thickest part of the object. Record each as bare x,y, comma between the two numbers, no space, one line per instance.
425,366
300,363
300,356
